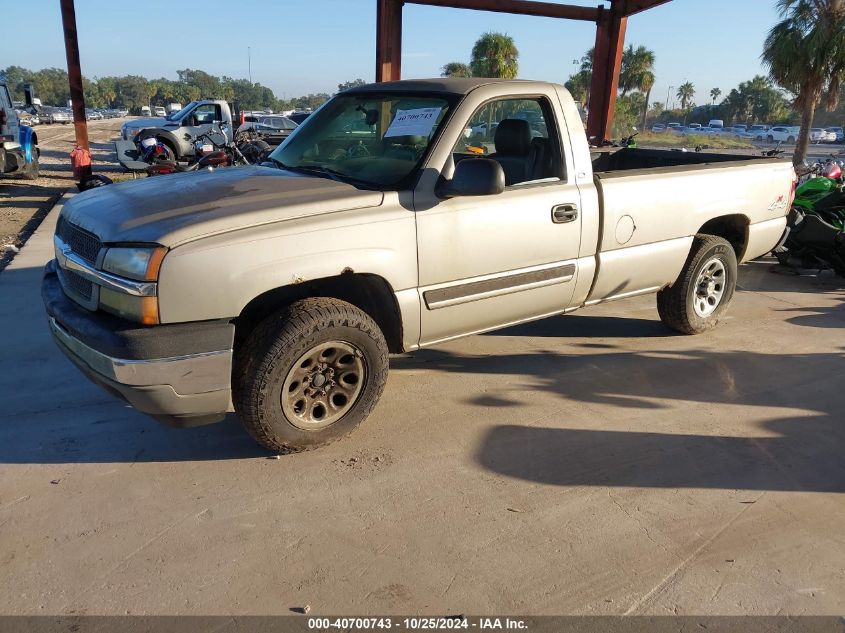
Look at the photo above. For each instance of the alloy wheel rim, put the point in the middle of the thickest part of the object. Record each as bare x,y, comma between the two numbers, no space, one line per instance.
709,287
323,385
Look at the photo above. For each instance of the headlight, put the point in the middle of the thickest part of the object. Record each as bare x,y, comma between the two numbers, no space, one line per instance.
138,263
139,309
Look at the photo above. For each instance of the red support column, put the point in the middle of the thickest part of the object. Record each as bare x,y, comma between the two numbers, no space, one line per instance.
74,73
607,62
389,40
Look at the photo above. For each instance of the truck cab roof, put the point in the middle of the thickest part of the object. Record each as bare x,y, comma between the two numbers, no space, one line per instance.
455,86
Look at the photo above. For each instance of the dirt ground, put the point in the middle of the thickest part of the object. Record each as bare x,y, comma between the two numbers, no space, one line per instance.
23,204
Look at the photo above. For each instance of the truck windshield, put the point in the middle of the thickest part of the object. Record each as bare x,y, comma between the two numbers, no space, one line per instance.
175,116
369,140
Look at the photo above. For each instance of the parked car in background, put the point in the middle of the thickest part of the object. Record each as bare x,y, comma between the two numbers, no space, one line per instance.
758,131
299,117
674,127
658,128
818,135
716,124
159,111
146,111
740,127
62,115
839,132
783,134
273,129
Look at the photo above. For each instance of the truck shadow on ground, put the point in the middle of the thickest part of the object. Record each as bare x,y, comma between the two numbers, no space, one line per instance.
799,450
120,435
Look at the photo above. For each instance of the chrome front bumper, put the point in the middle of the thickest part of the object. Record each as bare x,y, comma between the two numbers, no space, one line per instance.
180,391
163,377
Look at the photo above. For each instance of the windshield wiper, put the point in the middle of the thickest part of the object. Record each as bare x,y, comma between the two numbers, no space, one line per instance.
322,170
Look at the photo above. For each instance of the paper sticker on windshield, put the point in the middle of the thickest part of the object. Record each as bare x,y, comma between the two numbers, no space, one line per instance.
417,122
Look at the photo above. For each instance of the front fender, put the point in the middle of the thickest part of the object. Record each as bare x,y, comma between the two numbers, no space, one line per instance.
216,277
29,142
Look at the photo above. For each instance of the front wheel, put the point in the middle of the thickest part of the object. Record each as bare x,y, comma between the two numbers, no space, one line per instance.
704,289
309,374
31,169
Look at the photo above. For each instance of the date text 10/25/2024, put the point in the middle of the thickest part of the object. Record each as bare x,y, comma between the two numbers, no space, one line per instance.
418,623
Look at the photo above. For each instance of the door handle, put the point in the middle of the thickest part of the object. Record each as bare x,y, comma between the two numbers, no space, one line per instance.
564,213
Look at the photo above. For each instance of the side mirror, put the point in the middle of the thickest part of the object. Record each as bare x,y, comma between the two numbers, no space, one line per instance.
475,177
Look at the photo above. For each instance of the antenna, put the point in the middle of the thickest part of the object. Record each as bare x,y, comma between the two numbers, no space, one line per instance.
249,62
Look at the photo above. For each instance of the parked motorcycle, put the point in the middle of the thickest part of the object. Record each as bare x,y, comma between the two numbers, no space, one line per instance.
209,153
815,233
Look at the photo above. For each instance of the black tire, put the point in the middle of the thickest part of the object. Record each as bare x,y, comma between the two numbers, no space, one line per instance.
31,169
677,304
169,153
267,360
790,139
770,139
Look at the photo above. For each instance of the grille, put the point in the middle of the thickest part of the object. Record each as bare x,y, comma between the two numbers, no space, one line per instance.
81,242
77,284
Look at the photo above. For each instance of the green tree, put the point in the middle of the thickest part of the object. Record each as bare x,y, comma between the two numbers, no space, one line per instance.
805,54
637,73
715,93
580,82
495,55
455,69
755,101
346,85
637,67
686,92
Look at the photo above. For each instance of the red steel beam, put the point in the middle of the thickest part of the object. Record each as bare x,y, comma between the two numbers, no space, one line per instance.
607,62
632,7
74,73
520,7
389,40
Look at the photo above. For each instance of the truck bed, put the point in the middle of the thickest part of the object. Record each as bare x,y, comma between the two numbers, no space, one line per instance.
654,201
626,160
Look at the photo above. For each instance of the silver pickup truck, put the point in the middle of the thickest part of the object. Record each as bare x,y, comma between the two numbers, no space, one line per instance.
399,215
178,130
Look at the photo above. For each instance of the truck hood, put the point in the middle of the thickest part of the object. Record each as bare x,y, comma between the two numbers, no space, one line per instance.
178,208
145,123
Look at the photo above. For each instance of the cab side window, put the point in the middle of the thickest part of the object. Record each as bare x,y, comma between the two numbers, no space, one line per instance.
519,135
207,113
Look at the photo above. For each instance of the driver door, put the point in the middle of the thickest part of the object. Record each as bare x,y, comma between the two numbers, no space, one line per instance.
202,121
493,260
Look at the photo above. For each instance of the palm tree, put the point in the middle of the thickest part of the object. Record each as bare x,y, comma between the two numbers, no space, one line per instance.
805,54
455,69
637,64
494,55
715,94
646,83
686,92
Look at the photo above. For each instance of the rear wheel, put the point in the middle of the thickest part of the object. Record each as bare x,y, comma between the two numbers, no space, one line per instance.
770,139
791,139
309,374
704,289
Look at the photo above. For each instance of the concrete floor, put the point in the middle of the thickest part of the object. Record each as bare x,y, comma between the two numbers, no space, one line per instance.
587,464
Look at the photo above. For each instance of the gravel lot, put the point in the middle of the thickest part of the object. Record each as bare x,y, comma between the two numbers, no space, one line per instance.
23,204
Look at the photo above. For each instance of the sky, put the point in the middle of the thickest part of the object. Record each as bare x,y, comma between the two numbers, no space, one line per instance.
303,46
